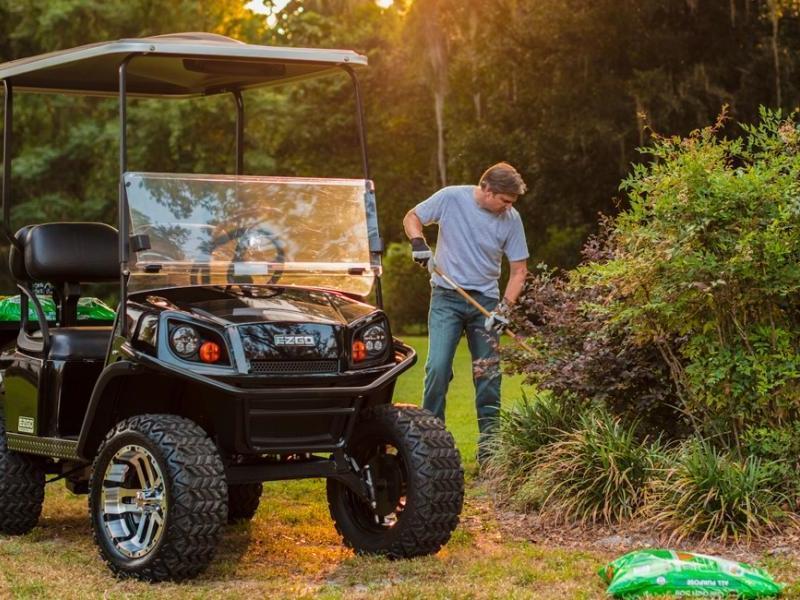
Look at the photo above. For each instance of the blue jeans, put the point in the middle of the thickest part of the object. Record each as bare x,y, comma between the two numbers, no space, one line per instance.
451,315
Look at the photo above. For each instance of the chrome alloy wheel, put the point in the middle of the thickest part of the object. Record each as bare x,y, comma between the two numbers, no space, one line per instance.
133,502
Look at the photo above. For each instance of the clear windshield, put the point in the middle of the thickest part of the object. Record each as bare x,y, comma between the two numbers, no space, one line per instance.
218,229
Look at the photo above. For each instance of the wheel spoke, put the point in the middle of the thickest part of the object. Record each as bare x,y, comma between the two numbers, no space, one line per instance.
136,463
151,479
118,508
147,527
122,492
140,531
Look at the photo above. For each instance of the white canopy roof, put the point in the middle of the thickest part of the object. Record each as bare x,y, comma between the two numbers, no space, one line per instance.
175,65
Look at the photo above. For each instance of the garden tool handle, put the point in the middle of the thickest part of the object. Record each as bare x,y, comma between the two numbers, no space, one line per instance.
477,305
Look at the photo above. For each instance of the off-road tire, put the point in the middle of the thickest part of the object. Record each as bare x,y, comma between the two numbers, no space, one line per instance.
21,488
196,496
434,491
243,499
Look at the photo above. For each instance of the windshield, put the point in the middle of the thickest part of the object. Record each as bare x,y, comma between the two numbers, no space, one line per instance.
217,229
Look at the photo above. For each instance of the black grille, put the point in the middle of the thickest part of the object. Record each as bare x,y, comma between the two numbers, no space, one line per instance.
289,367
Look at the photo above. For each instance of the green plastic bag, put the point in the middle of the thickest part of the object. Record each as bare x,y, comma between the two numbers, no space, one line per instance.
88,309
662,572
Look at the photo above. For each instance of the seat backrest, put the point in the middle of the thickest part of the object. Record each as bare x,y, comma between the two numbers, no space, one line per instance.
71,252
16,257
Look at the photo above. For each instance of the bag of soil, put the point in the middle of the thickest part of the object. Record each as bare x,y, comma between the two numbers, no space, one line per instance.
89,309
667,572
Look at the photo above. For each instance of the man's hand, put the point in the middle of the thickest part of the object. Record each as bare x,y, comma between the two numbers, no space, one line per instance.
420,251
497,321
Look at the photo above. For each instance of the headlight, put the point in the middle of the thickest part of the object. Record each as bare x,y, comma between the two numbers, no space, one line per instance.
369,343
185,341
197,344
375,340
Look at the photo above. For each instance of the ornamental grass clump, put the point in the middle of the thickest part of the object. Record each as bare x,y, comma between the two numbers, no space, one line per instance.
597,473
534,423
710,493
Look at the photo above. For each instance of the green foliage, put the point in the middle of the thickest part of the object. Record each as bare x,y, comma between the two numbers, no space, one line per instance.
598,472
536,421
406,290
576,464
533,423
584,357
711,493
560,100
705,267
779,448
685,309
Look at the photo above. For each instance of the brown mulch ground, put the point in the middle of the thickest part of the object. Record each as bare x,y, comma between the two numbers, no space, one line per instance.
619,539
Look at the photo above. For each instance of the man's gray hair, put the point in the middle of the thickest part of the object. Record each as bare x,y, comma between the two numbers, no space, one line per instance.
502,178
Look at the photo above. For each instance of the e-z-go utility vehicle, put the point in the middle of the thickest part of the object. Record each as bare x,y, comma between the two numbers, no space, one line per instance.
242,350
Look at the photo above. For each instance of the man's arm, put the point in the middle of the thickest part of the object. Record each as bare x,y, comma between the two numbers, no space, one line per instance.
516,279
420,251
412,225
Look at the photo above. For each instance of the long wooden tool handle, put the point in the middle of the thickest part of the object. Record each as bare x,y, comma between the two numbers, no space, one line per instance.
477,305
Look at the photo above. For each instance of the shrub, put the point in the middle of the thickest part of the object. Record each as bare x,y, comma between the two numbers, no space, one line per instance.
779,448
406,290
687,306
582,355
711,493
596,473
708,254
683,319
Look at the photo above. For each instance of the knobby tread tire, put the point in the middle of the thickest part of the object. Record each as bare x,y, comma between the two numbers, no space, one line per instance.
197,497
243,501
435,490
21,488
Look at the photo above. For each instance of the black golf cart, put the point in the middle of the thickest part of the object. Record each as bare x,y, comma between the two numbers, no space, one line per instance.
242,350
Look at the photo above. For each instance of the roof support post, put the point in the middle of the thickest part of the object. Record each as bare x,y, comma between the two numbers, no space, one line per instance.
237,98
360,121
362,137
8,142
122,216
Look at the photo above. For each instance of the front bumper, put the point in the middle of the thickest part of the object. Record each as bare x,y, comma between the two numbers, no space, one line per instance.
280,415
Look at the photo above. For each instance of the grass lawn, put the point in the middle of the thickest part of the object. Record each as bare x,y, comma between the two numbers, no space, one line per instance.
291,549
460,414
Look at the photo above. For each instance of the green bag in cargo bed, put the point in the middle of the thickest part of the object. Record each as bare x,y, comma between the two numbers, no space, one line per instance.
662,572
89,309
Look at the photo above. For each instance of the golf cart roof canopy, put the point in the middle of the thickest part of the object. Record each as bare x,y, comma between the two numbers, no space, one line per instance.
177,65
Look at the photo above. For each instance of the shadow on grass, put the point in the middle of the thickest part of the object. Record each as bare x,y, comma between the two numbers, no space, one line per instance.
233,546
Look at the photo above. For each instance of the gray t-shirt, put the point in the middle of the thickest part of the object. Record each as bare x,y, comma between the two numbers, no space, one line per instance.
472,240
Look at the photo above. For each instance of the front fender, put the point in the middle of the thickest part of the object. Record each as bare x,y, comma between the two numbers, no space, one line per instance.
95,425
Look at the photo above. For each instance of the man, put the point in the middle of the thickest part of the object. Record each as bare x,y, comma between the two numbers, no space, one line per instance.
477,225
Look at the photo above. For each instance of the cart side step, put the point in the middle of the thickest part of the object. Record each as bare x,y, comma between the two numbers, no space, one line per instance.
44,446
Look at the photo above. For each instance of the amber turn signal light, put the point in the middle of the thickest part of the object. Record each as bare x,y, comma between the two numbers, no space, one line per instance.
359,351
209,352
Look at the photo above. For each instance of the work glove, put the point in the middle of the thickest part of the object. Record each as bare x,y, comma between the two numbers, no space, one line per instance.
497,321
420,251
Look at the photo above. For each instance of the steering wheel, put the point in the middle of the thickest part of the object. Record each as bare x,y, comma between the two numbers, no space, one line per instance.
252,243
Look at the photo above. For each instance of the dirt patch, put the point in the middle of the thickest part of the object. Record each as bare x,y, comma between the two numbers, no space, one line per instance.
625,537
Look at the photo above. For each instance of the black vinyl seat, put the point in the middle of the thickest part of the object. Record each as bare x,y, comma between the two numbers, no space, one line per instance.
66,254
77,343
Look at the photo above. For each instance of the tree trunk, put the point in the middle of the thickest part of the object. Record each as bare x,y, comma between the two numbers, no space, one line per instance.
774,15
438,107
474,62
